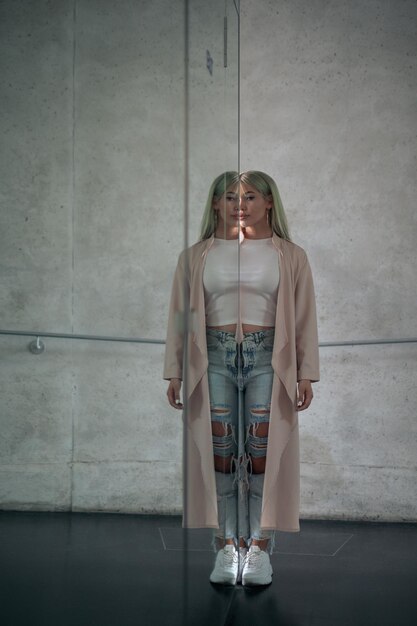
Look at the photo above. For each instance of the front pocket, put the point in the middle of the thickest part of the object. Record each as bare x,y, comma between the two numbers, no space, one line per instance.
212,342
268,343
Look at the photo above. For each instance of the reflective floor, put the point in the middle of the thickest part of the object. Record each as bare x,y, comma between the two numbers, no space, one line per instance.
60,569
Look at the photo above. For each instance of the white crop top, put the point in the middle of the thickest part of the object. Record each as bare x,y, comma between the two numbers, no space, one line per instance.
254,276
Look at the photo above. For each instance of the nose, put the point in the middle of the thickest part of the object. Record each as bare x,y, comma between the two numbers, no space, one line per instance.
241,202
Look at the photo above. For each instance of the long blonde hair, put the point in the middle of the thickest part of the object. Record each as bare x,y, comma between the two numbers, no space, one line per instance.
254,178
217,189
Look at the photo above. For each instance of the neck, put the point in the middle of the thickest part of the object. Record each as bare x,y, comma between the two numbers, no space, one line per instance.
227,233
260,233
248,233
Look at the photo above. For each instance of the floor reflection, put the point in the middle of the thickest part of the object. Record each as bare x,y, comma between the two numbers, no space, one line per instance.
122,570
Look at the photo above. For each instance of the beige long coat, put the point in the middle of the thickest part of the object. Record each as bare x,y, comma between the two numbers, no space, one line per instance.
294,357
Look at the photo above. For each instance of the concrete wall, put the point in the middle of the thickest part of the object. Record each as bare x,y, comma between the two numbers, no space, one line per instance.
92,222
92,214
329,110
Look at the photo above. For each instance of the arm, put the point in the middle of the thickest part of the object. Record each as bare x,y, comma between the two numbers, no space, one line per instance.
307,347
174,346
173,393
304,394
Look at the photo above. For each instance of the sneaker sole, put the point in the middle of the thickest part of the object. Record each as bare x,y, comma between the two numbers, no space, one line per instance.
250,583
222,581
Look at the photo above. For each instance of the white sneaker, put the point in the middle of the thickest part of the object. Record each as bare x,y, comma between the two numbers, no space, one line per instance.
257,569
242,557
226,566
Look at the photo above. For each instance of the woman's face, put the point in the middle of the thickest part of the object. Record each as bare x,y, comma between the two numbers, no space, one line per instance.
227,208
253,207
243,206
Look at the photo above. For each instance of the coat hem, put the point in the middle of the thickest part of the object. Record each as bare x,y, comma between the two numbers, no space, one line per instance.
281,529
197,526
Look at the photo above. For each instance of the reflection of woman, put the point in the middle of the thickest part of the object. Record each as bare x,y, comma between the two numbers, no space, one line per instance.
245,294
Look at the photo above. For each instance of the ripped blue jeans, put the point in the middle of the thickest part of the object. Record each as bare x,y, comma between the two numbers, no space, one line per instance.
240,380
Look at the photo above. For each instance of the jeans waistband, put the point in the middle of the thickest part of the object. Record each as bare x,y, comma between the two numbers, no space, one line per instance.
255,335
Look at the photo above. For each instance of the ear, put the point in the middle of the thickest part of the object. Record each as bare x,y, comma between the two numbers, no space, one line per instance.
270,199
215,203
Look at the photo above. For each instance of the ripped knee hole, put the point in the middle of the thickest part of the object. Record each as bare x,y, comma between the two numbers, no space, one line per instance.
221,429
259,429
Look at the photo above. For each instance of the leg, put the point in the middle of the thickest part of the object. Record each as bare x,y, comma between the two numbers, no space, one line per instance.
257,408
257,568
221,428
223,406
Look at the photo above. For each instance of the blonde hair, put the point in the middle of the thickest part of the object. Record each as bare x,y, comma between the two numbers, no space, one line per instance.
268,187
254,178
218,187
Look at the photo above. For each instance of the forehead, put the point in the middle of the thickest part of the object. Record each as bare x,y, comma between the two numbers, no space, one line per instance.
242,188
247,188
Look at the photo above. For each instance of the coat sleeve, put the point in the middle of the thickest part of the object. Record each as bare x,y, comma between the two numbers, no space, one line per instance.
174,345
306,338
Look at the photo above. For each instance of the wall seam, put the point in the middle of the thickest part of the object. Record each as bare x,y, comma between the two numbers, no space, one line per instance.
74,17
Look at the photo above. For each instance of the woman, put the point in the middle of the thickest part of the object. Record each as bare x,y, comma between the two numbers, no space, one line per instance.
244,293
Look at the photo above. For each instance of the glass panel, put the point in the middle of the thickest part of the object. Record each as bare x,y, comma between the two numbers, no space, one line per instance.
129,163
93,171
213,100
213,125
93,164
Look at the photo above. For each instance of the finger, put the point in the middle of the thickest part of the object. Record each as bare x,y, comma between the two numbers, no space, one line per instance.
177,403
177,397
300,403
300,396
171,397
306,401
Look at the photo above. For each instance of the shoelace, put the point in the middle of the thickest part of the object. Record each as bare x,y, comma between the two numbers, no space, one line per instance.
252,559
230,558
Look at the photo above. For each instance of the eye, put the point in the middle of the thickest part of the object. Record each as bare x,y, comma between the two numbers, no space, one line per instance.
250,197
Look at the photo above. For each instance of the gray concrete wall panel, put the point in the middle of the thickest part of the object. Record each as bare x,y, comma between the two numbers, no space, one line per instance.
120,408
36,399
148,487
36,60
328,109
128,155
35,486
92,202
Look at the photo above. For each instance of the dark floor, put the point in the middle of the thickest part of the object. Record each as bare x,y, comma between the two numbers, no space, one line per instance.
60,569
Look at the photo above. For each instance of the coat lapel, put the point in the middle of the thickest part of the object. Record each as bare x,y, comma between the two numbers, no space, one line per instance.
281,336
282,356
197,358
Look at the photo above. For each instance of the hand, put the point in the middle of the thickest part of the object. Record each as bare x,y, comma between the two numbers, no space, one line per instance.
173,393
304,395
